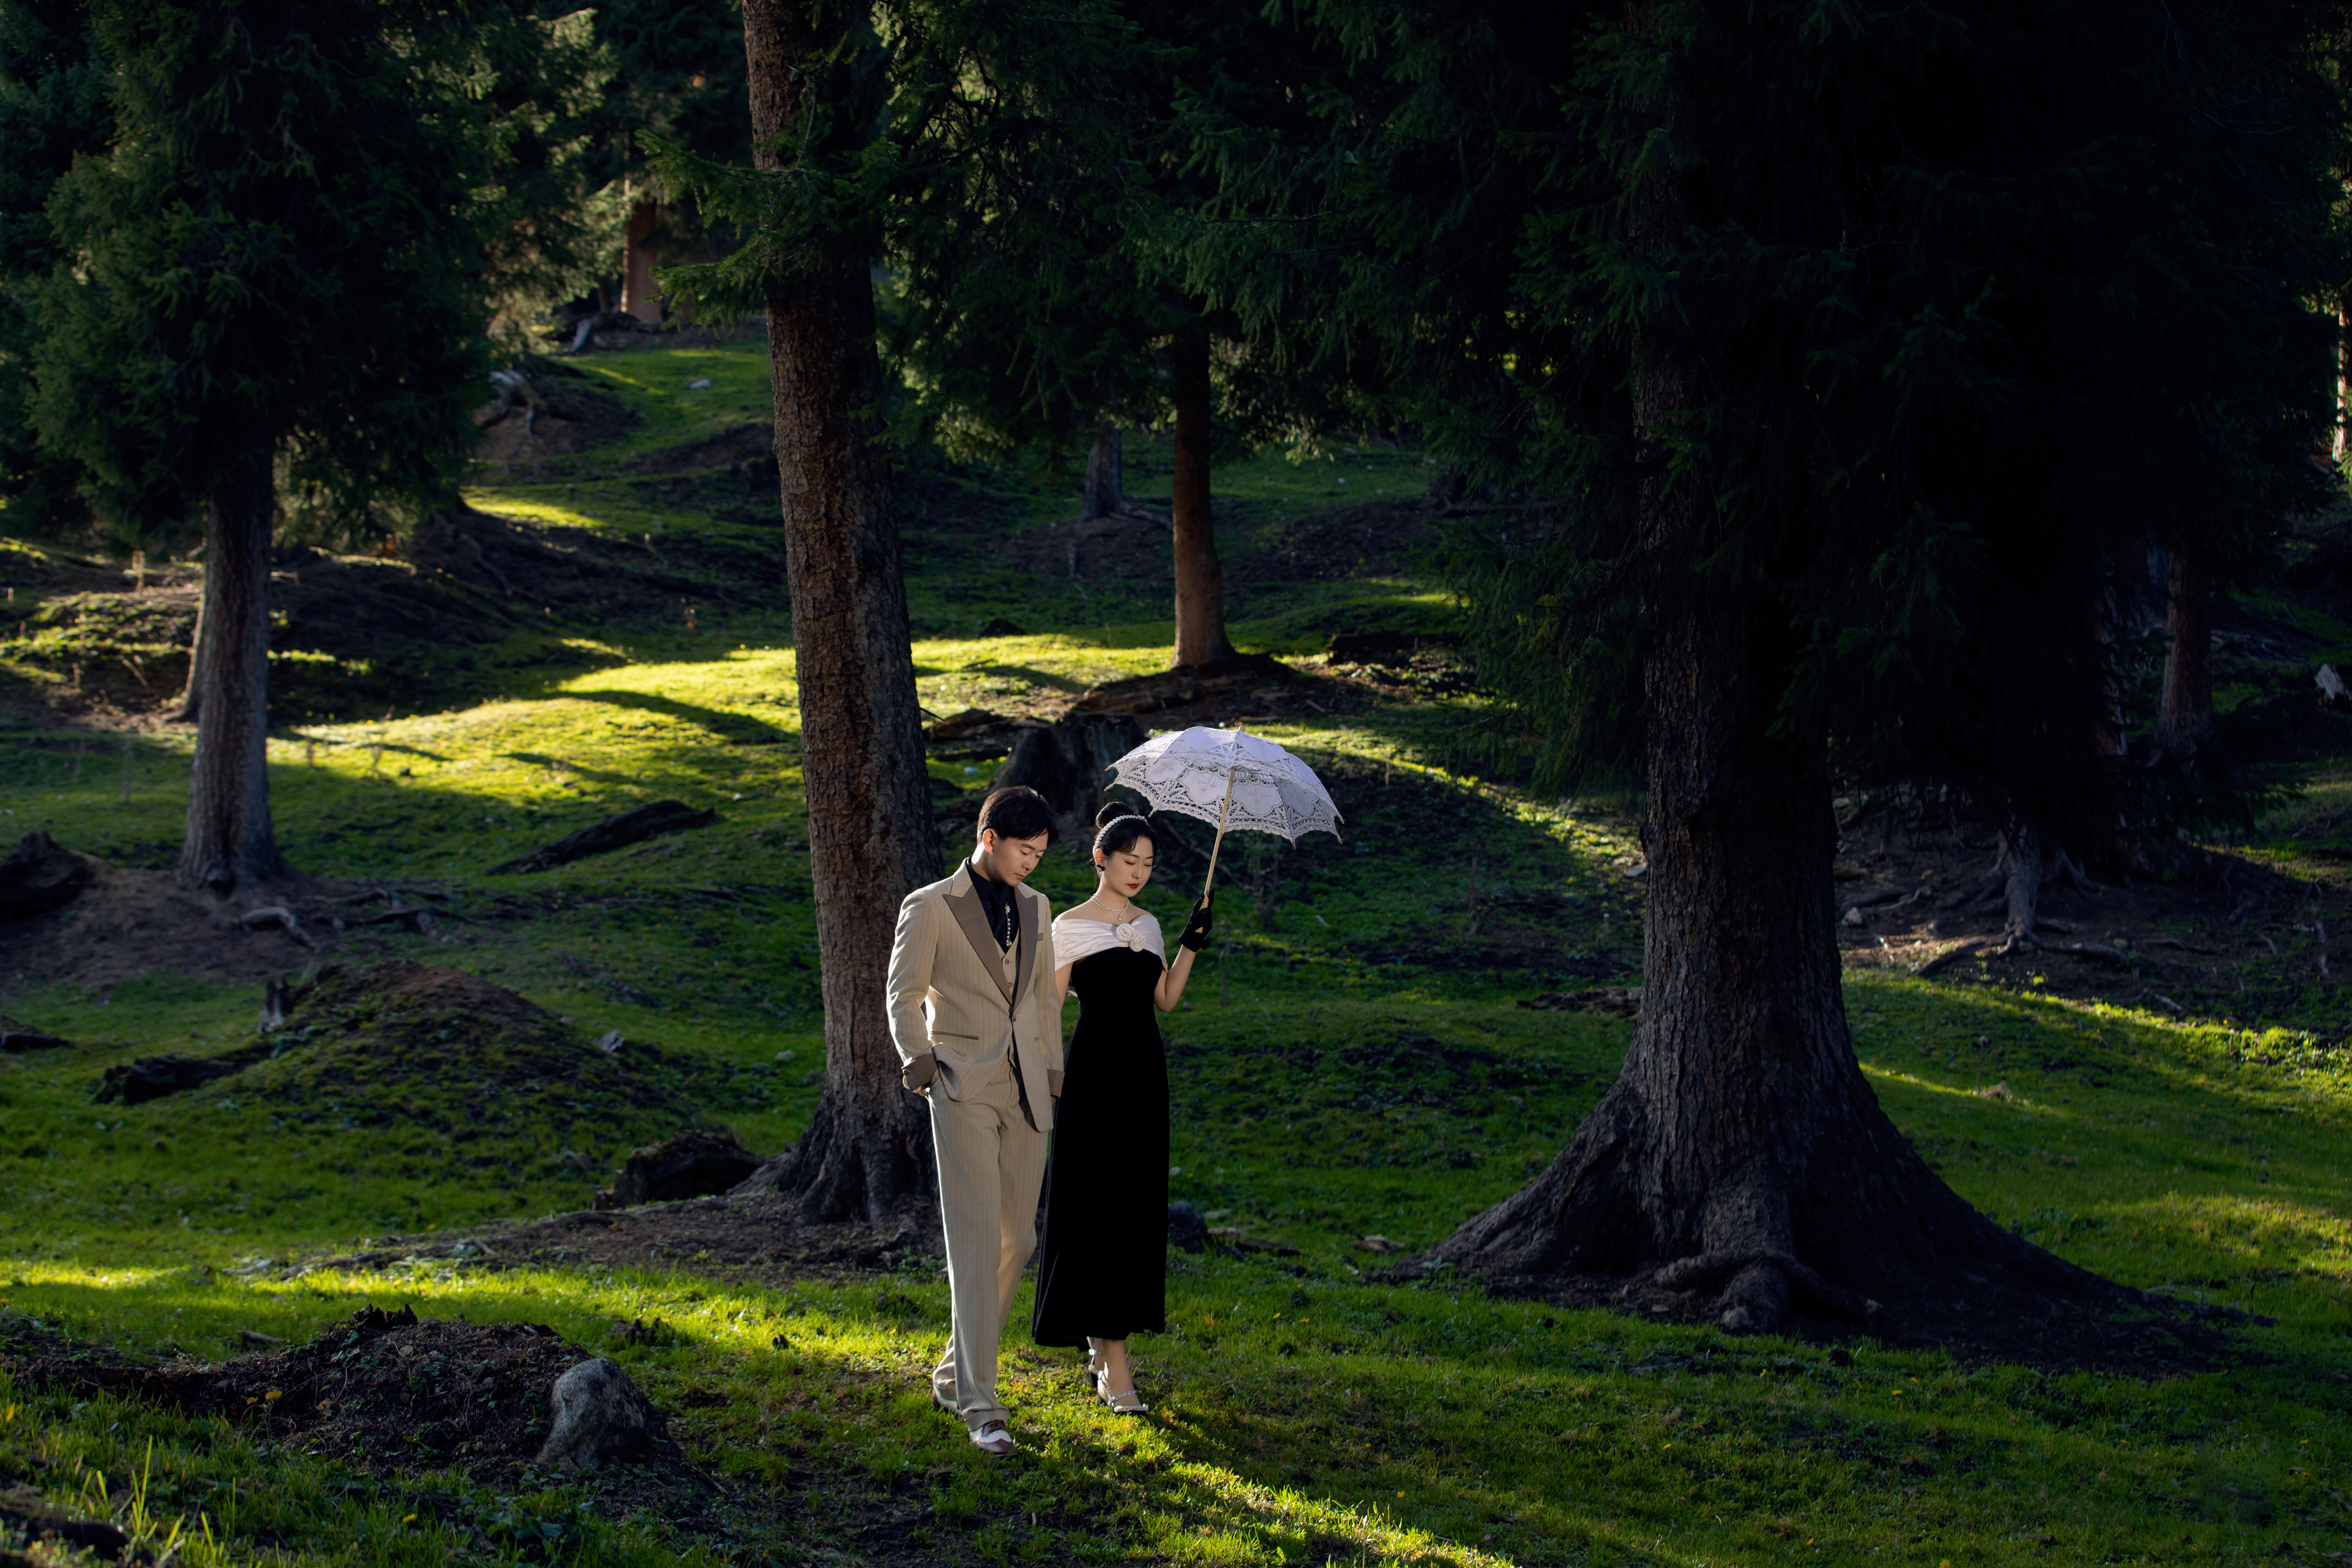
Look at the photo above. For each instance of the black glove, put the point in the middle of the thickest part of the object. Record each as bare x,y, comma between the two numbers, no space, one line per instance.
1196,930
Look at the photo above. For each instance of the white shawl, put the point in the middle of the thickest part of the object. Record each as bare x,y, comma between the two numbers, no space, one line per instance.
1074,939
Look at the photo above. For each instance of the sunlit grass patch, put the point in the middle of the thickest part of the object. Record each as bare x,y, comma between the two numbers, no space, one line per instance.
1300,1418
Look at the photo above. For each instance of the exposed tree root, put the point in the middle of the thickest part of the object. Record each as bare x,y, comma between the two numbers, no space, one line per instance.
1835,1219
1764,1279
854,1162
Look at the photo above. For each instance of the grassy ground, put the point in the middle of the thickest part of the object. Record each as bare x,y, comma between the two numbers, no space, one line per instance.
1351,1062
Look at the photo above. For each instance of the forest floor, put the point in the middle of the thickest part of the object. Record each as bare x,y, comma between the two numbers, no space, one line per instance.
1356,1070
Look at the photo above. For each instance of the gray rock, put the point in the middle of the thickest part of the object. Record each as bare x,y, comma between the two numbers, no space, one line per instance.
599,1416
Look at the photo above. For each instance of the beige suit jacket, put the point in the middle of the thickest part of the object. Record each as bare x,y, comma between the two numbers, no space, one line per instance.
949,999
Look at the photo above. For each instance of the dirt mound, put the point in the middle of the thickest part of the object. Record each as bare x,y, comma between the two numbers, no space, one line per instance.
126,922
387,1393
760,1237
575,419
405,1041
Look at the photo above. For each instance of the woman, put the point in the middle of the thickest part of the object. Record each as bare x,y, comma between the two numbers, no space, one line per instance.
1102,1267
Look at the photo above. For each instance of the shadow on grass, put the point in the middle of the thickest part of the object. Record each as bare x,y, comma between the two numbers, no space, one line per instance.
733,729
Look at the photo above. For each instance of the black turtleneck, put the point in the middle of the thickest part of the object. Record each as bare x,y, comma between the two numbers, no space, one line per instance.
997,898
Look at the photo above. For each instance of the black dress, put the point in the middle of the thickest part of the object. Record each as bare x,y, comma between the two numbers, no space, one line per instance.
1102,1267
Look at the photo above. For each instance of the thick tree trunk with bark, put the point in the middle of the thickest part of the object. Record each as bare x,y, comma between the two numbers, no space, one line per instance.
1740,1159
871,835
638,296
1103,495
230,842
1199,580
1741,1153
2184,718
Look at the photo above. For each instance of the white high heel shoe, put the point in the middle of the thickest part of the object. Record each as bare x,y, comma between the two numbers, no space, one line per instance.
1125,1401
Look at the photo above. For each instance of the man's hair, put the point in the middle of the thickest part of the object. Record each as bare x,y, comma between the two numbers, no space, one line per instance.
1016,812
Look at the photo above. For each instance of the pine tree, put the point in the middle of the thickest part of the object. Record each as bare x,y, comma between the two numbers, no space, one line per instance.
1036,166
53,108
277,297
1819,365
678,74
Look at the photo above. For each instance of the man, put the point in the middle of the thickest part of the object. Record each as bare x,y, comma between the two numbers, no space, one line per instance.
978,1027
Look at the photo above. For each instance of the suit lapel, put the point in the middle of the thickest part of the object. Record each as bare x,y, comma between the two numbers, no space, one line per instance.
1027,958
965,903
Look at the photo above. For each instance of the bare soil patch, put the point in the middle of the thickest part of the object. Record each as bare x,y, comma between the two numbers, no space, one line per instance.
2206,933
393,1396
2139,1333
575,419
758,1239
127,922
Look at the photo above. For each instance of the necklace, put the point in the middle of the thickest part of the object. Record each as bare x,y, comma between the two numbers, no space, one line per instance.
1125,917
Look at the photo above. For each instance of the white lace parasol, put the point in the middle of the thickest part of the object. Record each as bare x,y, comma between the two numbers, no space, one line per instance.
1232,778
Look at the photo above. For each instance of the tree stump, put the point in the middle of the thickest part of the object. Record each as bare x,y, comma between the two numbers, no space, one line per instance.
1070,765
42,875
688,1166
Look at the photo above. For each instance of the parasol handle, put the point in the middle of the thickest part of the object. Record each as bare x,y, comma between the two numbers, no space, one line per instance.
1222,811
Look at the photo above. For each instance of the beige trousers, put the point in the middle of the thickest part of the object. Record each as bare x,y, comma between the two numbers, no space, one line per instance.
992,1163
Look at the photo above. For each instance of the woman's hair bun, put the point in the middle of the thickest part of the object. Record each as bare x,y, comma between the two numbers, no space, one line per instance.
1119,828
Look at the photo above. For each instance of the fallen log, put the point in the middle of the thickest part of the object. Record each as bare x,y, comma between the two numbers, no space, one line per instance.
277,915
632,826
152,1077
15,1037
1944,960
1184,685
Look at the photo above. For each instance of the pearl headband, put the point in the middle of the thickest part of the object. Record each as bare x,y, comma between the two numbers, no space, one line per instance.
1114,822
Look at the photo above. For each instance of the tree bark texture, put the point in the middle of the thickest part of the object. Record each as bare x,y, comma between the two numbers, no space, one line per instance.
2337,444
230,842
1740,1153
1104,494
1199,580
871,837
638,296
2184,718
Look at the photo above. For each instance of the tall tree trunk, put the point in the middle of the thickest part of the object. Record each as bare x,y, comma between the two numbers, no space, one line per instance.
1104,493
638,296
230,842
2337,443
2184,717
1740,1157
872,839
1200,581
